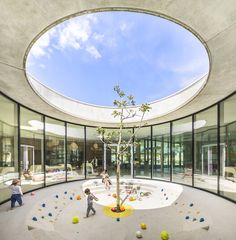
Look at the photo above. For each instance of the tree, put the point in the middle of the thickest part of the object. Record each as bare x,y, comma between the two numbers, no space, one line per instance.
125,109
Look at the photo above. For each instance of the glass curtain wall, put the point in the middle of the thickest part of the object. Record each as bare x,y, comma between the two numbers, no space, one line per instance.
182,151
94,154
142,153
8,146
55,151
31,149
161,151
126,147
228,148
206,149
75,152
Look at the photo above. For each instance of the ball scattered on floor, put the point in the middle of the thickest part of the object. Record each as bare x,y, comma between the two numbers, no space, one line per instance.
187,217
50,215
114,195
164,235
118,219
191,205
34,219
75,219
43,205
143,226
201,220
78,197
57,196
139,234
32,193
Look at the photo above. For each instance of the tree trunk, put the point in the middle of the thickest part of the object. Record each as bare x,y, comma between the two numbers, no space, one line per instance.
118,187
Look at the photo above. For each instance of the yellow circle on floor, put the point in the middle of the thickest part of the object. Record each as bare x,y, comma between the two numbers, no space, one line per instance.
107,211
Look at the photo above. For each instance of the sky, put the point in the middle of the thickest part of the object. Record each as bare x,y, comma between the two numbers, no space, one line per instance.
148,57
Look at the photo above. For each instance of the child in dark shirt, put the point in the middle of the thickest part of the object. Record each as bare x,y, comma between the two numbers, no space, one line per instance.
90,198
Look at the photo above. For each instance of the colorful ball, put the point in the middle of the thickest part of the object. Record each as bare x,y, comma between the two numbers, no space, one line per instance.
139,234
78,197
143,226
113,209
164,235
201,220
122,208
75,219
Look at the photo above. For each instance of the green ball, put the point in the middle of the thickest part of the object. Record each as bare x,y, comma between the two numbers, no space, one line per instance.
164,235
75,219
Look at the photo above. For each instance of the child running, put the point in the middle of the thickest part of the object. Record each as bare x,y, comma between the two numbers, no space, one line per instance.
90,198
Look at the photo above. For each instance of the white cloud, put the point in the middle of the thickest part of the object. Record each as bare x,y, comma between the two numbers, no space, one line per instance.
93,52
42,65
74,34
98,37
39,49
123,27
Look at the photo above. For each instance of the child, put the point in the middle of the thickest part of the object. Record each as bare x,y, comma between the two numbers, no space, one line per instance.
16,193
106,179
90,198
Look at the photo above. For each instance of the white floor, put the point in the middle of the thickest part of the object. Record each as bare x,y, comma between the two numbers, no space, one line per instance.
54,207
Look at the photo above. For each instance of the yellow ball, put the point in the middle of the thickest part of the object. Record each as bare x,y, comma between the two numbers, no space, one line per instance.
122,208
114,195
164,235
75,219
143,226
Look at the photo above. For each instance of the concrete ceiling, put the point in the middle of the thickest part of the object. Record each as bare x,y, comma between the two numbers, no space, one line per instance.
213,22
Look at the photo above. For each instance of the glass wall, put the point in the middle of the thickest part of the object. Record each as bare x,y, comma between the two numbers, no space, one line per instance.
55,151
31,149
39,162
161,151
75,152
142,153
8,146
110,154
94,154
182,151
206,154
228,148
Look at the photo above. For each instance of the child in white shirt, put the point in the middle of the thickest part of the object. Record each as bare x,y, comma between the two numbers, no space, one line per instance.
16,193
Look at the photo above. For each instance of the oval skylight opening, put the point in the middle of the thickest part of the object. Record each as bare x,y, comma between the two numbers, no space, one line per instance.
147,56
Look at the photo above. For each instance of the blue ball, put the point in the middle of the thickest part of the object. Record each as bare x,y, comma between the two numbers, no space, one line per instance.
65,192
162,189
49,214
34,219
56,196
71,198
201,220
191,204
187,217
43,205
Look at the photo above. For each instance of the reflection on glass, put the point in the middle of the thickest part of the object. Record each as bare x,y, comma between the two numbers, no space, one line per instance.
161,151
75,152
55,151
126,148
182,151
228,148
8,146
94,154
205,145
142,153
31,150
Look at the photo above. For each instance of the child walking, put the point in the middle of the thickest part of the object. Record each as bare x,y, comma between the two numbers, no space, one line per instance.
90,198
16,193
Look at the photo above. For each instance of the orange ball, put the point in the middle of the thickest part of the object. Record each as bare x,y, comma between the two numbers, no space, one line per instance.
78,197
114,195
